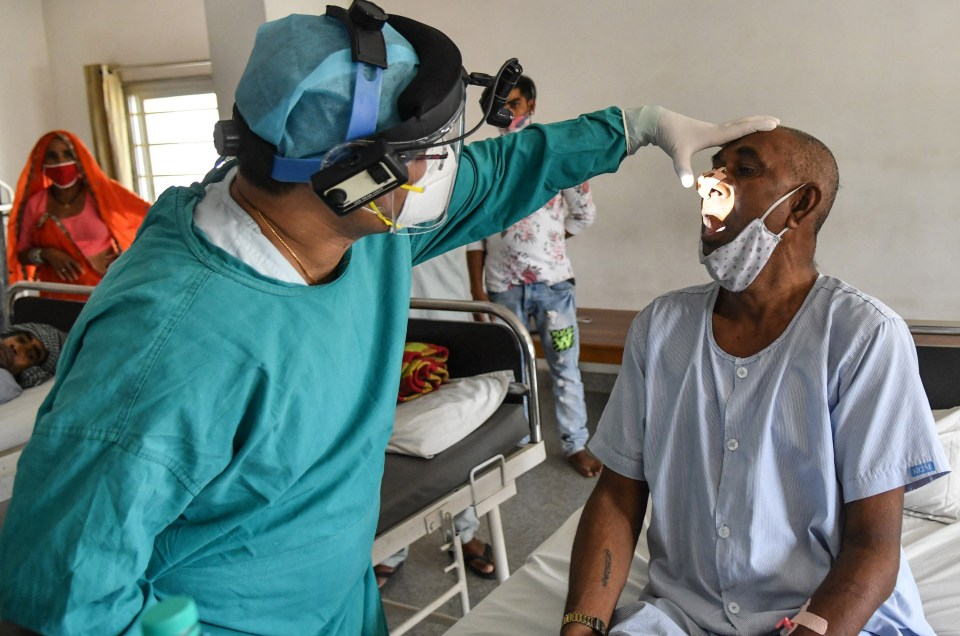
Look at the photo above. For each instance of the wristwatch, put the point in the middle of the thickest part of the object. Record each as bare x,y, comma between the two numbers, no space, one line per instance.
592,622
35,256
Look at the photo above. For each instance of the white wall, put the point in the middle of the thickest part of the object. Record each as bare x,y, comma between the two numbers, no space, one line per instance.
874,79
127,33
231,30
26,89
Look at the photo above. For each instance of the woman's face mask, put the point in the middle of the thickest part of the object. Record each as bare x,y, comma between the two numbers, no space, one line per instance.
63,174
736,265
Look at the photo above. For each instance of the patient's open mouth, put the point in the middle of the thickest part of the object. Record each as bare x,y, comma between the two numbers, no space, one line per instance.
713,225
718,197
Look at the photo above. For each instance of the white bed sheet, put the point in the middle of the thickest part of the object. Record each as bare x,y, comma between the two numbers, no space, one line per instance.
531,601
16,425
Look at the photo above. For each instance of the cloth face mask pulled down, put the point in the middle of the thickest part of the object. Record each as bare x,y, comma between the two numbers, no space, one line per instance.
736,265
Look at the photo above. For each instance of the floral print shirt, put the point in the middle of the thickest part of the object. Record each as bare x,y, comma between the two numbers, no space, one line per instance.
534,249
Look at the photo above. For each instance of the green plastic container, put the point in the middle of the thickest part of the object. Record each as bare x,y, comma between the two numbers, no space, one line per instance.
174,616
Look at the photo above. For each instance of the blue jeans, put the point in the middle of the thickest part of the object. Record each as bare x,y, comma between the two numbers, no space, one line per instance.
553,309
467,523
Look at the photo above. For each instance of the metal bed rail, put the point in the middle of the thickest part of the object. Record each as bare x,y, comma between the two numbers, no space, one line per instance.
519,330
25,287
490,483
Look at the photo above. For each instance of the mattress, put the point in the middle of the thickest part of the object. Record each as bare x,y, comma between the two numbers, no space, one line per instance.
411,483
16,425
531,601
18,415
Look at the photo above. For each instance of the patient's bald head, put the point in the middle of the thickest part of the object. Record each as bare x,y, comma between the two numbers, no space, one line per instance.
812,162
764,165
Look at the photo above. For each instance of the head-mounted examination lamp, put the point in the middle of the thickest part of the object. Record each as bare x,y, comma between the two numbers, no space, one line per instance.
370,164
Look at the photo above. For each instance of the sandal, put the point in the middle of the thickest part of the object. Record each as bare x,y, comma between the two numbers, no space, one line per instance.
384,573
476,562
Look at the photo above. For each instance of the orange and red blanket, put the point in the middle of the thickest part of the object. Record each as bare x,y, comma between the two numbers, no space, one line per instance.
424,370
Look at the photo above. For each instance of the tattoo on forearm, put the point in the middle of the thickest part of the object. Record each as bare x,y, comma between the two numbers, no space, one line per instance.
607,564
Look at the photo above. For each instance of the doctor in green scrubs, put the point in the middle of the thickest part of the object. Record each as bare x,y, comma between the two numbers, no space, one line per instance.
218,423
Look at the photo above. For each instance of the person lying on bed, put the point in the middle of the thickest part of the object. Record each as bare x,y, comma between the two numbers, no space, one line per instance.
774,417
28,357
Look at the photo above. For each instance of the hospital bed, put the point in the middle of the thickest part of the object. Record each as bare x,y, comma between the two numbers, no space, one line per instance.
421,496
22,304
532,601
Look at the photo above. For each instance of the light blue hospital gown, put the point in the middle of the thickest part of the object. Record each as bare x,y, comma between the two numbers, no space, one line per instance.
217,433
751,460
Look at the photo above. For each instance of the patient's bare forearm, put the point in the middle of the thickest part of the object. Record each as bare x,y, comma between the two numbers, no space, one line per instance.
604,545
475,259
865,573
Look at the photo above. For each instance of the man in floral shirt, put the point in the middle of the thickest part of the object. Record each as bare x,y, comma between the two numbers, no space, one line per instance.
525,268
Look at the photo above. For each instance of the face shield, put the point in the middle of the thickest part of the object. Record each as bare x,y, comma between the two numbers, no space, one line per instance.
367,108
420,205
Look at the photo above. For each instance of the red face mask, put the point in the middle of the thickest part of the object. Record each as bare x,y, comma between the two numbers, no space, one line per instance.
63,174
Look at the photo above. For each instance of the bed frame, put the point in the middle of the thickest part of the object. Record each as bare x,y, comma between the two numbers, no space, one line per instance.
482,469
25,304
532,601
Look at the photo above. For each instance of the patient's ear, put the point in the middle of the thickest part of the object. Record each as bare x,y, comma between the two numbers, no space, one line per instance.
805,202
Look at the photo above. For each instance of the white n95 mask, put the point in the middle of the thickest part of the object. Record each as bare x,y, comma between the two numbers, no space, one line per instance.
425,201
736,264
426,204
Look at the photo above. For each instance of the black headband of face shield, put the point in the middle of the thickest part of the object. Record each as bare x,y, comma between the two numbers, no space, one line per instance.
374,167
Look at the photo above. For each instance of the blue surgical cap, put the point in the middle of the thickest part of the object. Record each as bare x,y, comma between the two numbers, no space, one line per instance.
297,89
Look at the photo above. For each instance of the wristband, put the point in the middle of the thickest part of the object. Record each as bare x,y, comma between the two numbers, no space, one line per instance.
592,622
806,619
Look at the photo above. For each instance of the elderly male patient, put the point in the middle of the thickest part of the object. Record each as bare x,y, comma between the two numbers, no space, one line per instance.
774,417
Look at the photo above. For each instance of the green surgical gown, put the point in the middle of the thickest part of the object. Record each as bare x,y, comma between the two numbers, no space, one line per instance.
217,433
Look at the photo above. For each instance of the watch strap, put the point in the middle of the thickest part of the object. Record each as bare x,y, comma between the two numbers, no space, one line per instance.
592,622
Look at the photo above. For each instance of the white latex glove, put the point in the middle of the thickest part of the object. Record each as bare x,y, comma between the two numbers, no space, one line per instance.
682,137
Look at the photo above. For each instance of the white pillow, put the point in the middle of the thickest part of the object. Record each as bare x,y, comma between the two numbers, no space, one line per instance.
940,499
436,421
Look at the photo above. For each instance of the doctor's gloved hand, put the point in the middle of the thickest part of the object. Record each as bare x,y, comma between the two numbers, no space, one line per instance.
682,137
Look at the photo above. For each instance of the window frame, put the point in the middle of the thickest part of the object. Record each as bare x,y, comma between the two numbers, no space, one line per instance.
134,94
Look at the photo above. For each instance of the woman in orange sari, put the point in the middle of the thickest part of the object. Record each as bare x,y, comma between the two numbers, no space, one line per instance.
69,220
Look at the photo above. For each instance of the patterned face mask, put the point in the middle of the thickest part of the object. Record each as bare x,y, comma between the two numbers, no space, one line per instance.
736,264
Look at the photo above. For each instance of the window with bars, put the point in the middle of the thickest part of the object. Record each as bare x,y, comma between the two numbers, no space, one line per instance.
171,132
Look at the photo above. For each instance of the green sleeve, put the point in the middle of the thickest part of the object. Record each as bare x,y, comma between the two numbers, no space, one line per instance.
504,179
73,496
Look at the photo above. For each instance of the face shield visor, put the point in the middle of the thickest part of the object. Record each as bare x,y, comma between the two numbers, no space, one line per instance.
420,205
